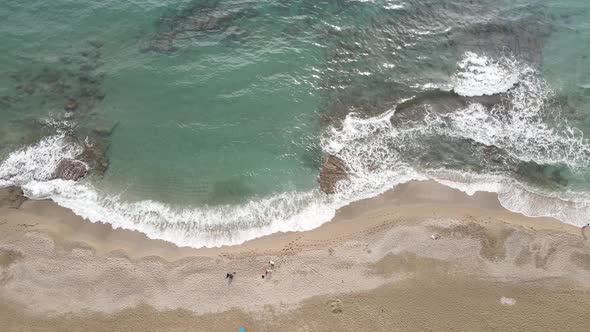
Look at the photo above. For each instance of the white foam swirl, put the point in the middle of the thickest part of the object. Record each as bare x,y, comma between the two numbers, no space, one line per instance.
204,226
374,148
32,168
519,125
36,162
480,75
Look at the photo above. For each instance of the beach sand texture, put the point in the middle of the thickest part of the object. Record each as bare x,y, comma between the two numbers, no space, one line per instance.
375,267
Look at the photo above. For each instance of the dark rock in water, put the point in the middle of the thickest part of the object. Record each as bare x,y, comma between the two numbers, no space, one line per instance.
439,102
233,33
371,100
554,177
72,83
103,131
7,101
163,43
89,93
29,89
195,21
414,109
71,105
96,142
94,156
12,197
524,39
96,43
70,169
332,171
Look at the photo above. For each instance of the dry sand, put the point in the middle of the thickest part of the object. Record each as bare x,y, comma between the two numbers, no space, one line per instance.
373,268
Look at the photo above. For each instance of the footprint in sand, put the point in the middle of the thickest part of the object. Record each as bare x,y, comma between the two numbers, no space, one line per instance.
335,305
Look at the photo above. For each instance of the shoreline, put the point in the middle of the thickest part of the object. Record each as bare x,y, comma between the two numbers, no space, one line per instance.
432,194
48,255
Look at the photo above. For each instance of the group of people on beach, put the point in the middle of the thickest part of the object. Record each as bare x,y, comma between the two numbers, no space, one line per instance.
267,273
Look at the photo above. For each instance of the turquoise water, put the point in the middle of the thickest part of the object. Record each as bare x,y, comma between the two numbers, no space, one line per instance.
217,114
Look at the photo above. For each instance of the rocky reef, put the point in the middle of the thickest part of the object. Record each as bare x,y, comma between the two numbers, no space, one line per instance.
332,171
69,89
70,169
523,39
368,81
194,21
73,83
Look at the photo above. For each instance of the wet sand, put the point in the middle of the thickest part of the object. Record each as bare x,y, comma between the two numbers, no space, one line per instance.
374,267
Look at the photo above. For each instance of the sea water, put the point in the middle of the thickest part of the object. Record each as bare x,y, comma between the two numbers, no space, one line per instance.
217,114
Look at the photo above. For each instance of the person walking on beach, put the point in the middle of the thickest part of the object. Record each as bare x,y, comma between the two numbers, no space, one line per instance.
267,274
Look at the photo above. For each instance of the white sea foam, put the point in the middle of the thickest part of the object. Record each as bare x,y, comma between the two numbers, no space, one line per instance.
32,168
519,125
37,162
480,75
376,167
569,207
374,149
196,227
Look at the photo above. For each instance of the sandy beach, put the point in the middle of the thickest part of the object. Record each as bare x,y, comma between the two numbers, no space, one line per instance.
419,257
302,165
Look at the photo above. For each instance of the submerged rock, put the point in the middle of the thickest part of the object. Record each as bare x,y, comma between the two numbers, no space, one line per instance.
194,22
370,100
333,170
524,38
440,102
71,105
70,169
553,177
72,83
94,156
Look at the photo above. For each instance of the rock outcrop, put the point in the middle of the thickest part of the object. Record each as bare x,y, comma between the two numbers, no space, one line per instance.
194,22
71,105
94,156
70,169
332,171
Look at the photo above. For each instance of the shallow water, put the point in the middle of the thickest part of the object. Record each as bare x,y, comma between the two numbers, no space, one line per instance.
216,114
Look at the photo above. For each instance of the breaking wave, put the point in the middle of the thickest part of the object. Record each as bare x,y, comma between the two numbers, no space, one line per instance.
376,151
194,227
32,168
